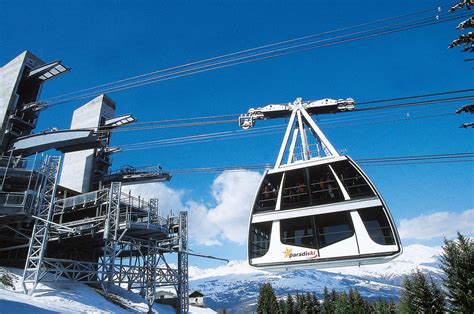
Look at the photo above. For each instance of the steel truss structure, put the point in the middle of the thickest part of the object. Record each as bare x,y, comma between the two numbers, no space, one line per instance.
105,237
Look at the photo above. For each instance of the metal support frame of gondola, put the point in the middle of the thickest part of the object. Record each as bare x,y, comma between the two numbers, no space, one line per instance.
303,121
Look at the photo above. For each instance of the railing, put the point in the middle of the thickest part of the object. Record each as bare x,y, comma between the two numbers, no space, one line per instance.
12,199
17,199
13,162
314,151
132,209
77,201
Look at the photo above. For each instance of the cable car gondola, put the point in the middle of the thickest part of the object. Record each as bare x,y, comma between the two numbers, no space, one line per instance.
320,210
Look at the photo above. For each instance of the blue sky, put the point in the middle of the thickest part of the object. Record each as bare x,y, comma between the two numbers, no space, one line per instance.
111,40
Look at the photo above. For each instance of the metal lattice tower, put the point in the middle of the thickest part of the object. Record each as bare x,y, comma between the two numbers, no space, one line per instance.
110,235
183,297
39,237
150,265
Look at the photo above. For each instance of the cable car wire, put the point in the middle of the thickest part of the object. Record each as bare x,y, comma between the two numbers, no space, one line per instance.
209,67
243,51
239,133
415,96
159,122
380,161
160,125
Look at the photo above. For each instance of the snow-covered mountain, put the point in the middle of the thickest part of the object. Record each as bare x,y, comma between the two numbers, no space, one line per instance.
235,286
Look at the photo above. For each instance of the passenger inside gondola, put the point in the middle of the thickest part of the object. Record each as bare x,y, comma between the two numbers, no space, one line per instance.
295,191
268,193
324,188
353,181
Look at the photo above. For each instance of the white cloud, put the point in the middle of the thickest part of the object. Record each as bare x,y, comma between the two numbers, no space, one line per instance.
169,199
233,194
436,225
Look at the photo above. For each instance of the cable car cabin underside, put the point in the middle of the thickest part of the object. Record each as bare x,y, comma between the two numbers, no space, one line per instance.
318,212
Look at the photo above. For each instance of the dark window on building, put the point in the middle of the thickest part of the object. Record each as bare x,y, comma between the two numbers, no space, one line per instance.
259,239
295,190
353,181
324,187
376,223
298,232
268,193
333,228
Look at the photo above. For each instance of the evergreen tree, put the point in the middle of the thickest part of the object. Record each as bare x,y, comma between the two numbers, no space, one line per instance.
328,305
300,303
315,305
282,307
392,307
342,304
311,303
359,305
290,304
267,302
420,295
378,307
383,307
334,297
457,261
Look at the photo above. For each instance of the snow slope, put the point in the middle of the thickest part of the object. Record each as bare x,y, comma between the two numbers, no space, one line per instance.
73,298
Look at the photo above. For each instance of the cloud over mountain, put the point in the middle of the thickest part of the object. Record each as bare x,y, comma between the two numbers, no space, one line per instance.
225,219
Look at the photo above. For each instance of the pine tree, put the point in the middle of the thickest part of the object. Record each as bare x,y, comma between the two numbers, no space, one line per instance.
334,298
310,303
282,307
290,304
328,305
359,305
315,305
378,307
342,304
406,303
267,302
392,307
300,303
421,295
382,307
457,261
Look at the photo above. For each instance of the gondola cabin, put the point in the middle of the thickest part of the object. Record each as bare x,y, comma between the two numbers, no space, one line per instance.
319,212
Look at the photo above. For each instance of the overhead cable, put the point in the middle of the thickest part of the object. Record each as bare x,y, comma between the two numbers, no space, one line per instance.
258,132
379,161
264,55
243,51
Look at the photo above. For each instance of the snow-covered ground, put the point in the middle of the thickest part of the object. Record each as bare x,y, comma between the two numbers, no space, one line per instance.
73,298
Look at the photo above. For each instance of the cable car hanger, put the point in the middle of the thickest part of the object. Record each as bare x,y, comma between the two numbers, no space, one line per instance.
301,111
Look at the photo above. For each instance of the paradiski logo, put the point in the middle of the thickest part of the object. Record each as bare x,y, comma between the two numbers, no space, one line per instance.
288,253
